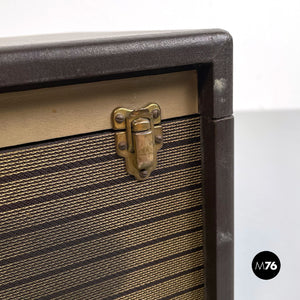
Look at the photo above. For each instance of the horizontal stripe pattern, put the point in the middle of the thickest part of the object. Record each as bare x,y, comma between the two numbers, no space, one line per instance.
75,225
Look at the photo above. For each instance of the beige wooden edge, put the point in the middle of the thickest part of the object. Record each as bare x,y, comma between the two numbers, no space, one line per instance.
42,114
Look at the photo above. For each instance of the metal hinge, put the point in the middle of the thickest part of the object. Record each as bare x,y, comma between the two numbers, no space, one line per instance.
141,140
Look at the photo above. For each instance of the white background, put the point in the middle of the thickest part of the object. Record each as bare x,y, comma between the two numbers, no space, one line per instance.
266,35
266,77
267,201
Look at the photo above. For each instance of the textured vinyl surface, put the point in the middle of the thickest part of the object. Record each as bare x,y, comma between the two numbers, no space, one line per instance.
75,225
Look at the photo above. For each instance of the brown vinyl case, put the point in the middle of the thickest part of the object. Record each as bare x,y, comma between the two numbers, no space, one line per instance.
116,166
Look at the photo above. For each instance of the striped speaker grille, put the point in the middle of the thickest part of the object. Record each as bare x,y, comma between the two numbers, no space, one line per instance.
74,225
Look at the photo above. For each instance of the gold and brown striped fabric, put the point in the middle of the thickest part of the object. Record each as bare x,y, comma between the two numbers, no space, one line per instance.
75,225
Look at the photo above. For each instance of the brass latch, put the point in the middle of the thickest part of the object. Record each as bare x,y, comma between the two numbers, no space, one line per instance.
141,139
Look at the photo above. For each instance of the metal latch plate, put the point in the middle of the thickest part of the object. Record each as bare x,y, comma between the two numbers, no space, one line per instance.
138,139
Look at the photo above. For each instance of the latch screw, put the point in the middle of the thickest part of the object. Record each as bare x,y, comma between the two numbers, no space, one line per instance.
143,173
122,146
158,139
156,113
120,118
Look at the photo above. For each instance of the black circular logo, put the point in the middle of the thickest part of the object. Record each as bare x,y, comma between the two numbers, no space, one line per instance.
266,265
